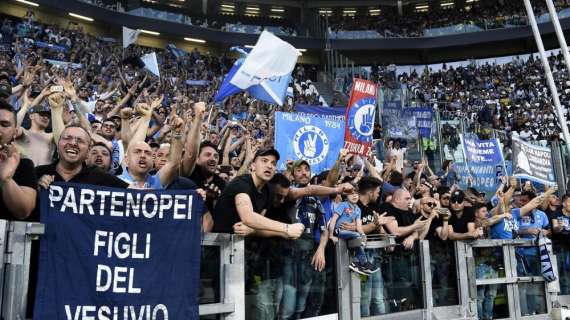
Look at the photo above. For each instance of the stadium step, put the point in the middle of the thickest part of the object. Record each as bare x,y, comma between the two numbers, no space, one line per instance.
325,91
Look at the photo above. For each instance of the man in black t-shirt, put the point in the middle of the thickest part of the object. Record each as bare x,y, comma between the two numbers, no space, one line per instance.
462,220
247,198
204,173
372,289
73,148
406,225
17,175
437,227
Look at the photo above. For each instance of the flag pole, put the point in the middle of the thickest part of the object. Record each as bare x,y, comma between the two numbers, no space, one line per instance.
548,73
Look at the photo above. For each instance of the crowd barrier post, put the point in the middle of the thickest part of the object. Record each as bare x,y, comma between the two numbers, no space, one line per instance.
559,169
16,244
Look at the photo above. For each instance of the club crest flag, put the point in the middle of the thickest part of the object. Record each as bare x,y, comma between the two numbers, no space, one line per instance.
130,36
360,115
308,137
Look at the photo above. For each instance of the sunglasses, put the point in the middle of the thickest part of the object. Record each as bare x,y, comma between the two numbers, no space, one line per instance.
457,200
431,204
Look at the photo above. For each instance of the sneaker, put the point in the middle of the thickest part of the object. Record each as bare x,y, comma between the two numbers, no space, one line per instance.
356,267
369,268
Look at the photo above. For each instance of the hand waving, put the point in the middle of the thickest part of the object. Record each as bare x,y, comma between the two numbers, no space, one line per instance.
9,161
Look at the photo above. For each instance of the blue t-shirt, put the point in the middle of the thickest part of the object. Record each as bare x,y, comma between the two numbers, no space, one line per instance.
152,181
504,229
346,212
536,219
325,217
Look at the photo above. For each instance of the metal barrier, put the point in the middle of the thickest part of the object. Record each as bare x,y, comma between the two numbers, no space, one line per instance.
487,271
412,284
224,296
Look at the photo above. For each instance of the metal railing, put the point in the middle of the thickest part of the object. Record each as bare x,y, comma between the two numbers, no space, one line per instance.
435,280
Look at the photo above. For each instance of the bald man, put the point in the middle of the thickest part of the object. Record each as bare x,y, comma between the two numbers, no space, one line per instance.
406,225
140,163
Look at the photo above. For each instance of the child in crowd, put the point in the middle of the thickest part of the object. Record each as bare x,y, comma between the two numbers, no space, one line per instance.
348,212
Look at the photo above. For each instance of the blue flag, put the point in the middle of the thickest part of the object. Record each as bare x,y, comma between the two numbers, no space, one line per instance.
272,91
307,137
177,52
109,252
264,73
485,176
481,151
325,112
424,121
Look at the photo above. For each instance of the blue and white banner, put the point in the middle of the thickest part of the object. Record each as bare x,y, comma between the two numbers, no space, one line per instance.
324,112
485,176
398,122
41,44
532,162
424,121
177,52
64,64
481,151
264,73
197,82
114,253
311,138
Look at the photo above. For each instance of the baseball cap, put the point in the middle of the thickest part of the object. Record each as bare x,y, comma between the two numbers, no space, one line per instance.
299,162
266,152
40,108
457,196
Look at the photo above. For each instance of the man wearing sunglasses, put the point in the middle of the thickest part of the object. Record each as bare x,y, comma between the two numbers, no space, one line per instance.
437,225
462,221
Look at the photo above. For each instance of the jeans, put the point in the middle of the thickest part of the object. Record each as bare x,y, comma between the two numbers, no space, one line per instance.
372,289
563,261
298,276
486,301
530,296
359,255
266,304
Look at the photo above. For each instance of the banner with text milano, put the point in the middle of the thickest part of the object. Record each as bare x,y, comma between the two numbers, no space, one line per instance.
360,115
118,254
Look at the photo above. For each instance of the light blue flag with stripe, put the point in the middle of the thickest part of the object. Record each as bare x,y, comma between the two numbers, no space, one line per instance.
265,72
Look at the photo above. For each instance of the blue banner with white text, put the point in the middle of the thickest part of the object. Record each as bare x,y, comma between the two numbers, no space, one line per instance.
109,253
325,112
311,138
481,151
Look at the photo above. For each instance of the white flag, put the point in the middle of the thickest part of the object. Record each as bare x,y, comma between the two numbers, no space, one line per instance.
129,36
269,59
151,63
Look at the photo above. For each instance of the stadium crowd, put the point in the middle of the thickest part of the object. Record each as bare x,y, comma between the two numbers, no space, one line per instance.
78,109
485,15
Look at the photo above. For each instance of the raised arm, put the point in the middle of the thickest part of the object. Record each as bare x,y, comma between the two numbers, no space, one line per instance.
193,139
20,200
319,191
170,170
334,173
531,205
56,102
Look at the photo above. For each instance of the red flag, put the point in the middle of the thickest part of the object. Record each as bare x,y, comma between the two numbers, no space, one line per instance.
360,114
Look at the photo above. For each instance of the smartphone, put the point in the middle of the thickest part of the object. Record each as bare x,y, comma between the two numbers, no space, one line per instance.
443,212
56,89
